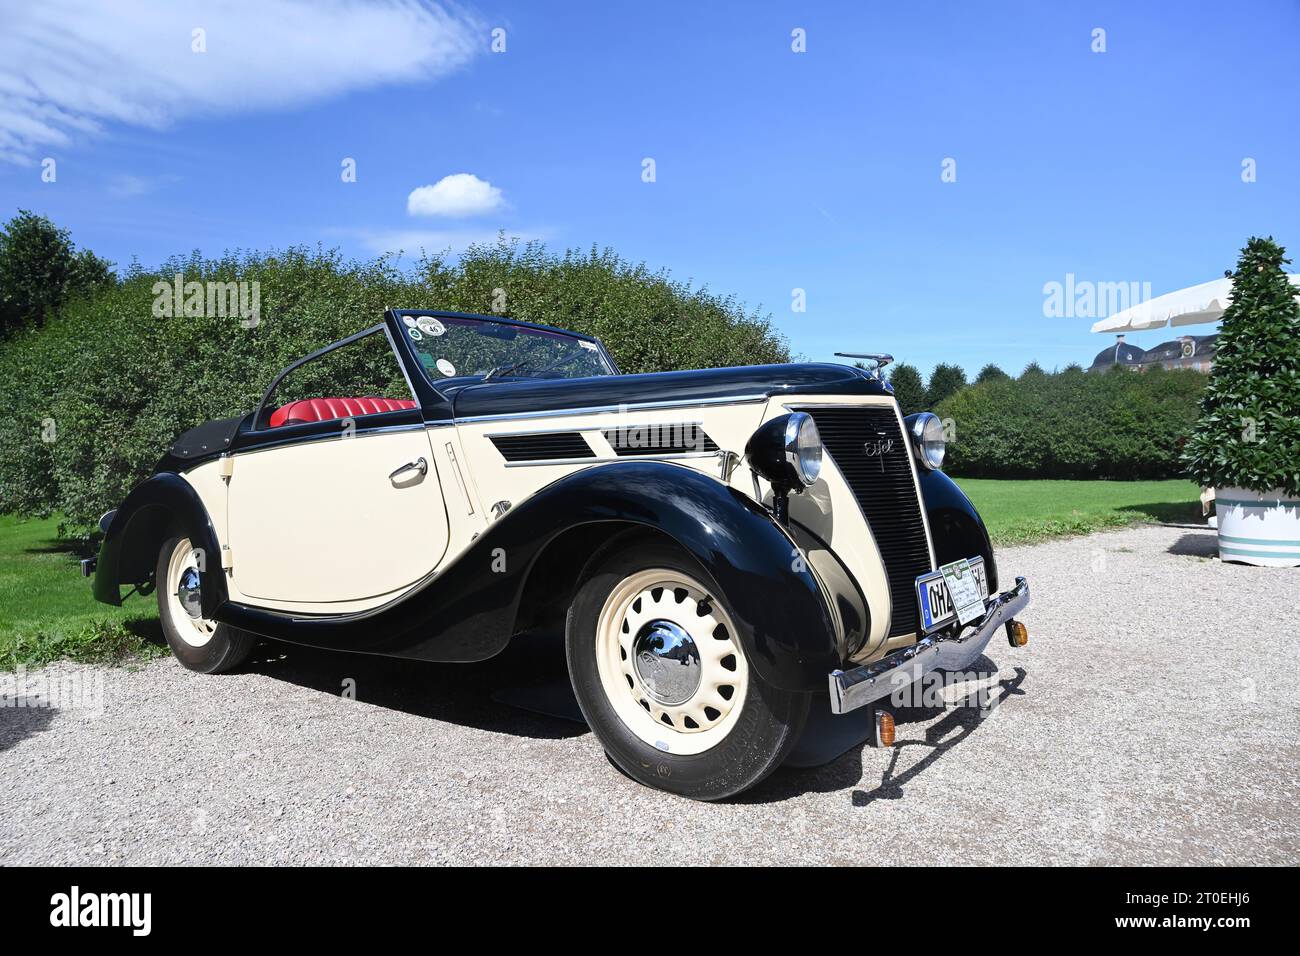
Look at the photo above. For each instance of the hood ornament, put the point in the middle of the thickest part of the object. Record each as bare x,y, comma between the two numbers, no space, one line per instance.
880,358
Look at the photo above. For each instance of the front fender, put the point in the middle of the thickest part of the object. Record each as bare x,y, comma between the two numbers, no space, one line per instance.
466,612
162,504
956,528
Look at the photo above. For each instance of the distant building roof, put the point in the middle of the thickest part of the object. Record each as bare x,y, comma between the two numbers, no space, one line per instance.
1187,347
1170,351
1121,353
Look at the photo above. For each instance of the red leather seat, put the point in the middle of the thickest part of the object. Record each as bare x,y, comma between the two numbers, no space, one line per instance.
327,409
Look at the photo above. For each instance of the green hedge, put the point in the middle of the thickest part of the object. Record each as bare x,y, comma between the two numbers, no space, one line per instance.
1119,424
116,384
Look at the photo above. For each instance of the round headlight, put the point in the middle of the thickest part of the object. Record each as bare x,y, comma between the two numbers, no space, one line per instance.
928,442
787,451
804,447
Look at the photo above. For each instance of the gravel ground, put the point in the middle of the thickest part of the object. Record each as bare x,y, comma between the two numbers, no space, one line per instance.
1152,719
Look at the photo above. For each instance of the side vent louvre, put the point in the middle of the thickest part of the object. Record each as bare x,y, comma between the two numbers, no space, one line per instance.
543,447
668,438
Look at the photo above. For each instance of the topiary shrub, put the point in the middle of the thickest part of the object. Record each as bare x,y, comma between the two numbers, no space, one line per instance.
1248,432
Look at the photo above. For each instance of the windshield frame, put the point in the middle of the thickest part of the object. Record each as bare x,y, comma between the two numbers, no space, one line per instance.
398,323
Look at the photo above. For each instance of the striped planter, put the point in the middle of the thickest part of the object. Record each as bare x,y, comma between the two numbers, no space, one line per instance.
1258,529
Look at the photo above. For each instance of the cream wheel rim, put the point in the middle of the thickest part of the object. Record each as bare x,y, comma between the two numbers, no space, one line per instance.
184,597
669,661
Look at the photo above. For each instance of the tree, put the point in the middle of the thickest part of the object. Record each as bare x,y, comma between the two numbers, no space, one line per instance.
945,380
1248,432
1032,370
909,389
39,270
991,373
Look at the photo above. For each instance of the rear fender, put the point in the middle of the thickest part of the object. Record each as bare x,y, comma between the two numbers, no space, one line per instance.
158,507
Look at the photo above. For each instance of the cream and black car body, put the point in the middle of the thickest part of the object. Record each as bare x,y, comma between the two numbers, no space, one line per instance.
725,549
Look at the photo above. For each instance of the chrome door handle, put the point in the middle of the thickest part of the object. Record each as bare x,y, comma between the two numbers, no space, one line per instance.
419,465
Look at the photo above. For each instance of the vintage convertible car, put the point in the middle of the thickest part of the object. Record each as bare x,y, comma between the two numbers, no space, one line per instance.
725,548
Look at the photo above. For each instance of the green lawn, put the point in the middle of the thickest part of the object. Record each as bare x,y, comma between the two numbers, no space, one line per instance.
46,611
1022,511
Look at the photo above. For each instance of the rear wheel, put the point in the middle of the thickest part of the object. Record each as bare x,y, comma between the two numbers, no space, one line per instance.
198,643
660,675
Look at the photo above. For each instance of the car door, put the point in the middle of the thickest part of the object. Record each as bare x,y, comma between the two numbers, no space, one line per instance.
334,496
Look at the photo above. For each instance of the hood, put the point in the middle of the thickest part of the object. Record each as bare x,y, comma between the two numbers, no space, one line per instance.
706,385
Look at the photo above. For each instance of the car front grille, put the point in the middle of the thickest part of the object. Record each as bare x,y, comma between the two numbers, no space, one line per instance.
869,449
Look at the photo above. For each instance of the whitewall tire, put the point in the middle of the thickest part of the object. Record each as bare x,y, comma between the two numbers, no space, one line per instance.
660,673
198,643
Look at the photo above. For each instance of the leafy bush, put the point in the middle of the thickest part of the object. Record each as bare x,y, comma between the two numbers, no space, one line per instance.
1248,435
97,395
1118,424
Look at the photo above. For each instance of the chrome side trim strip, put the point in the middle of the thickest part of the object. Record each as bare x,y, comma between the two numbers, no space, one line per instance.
611,409
607,461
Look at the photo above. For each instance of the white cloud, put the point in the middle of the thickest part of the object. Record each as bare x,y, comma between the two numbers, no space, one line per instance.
69,67
460,194
125,186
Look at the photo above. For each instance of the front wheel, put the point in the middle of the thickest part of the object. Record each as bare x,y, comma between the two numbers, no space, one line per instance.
663,681
198,643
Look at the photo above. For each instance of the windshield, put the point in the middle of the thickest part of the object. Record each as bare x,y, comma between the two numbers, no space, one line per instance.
463,348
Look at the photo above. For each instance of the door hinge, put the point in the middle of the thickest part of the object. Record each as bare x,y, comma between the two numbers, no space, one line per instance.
227,558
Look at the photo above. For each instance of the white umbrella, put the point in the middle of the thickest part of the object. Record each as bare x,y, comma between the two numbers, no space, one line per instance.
1191,306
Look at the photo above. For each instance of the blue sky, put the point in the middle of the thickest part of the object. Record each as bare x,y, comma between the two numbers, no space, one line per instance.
774,170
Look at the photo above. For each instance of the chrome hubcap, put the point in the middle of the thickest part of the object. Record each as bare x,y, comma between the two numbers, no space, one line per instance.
670,662
667,662
187,592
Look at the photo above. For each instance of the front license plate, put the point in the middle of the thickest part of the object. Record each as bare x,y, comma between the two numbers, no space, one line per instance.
936,600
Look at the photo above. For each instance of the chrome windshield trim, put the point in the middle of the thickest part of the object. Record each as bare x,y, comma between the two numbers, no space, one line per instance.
611,409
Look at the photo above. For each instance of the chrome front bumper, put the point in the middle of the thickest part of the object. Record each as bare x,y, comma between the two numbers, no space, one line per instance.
867,684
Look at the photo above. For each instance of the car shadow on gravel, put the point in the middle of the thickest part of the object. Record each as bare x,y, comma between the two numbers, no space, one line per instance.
532,668
21,718
846,771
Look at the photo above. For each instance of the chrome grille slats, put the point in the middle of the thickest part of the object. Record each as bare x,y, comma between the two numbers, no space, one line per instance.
883,486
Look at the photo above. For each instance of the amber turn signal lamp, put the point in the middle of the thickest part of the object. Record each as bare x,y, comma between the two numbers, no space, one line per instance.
1017,634
884,728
